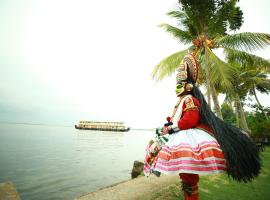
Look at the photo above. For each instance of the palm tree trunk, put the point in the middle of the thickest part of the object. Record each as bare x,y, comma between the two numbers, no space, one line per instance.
230,103
260,105
255,95
217,108
237,113
207,73
242,118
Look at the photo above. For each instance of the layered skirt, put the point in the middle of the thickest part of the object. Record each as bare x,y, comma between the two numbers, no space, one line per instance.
191,151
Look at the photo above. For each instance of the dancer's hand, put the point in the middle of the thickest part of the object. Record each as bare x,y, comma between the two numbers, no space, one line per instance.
165,130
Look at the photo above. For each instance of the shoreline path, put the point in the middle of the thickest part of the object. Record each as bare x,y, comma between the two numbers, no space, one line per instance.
134,189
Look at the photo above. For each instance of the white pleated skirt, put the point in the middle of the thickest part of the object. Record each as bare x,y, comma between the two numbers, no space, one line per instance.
188,151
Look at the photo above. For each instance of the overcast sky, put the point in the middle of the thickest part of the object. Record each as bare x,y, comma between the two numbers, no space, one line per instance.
64,60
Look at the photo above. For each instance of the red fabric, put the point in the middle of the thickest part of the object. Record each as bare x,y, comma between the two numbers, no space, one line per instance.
193,180
206,128
191,116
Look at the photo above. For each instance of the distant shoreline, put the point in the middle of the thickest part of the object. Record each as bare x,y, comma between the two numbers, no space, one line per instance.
35,124
63,125
143,129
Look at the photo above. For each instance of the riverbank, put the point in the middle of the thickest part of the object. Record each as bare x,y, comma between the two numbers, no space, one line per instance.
134,189
8,191
214,187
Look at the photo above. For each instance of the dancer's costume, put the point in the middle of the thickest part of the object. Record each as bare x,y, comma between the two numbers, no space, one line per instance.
198,142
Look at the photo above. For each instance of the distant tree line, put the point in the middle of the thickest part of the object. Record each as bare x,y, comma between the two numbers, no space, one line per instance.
257,119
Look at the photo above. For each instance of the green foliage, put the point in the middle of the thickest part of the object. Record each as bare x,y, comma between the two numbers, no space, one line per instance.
222,73
245,41
213,16
182,36
204,24
168,66
252,77
228,114
236,19
247,60
258,123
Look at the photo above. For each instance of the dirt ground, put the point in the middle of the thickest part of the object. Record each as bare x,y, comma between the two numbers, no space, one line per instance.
135,189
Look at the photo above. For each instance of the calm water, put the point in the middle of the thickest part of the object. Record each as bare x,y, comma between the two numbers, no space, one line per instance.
50,162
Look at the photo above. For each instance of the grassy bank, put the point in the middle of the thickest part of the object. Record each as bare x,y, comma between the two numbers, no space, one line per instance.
220,187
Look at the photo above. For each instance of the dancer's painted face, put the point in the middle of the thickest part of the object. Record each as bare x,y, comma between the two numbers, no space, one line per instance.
180,88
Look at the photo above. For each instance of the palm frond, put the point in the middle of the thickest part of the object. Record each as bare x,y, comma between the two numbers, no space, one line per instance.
179,15
260,81
264,87
247,60
201,79
246,41
168,66
182,36
222,74
186,20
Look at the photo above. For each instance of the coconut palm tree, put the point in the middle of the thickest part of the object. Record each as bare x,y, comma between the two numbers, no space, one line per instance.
260,83
203,26
253,76
240,92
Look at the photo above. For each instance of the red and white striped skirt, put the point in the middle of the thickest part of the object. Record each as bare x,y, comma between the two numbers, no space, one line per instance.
188,151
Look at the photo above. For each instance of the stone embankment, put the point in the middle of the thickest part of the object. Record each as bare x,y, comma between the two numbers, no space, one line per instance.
8,191
134,189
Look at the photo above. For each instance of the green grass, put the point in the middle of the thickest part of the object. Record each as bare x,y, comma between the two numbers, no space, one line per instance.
220,187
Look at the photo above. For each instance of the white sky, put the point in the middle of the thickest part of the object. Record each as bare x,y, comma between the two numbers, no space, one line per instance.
66,60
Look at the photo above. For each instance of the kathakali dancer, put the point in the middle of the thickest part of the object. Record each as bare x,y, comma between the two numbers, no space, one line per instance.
194,141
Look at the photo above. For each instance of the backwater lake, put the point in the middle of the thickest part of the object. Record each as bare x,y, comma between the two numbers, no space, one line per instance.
61,162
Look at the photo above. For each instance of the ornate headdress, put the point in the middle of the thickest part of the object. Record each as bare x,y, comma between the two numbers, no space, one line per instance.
188,70
187,74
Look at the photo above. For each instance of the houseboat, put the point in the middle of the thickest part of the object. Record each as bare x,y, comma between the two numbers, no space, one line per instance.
102,126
